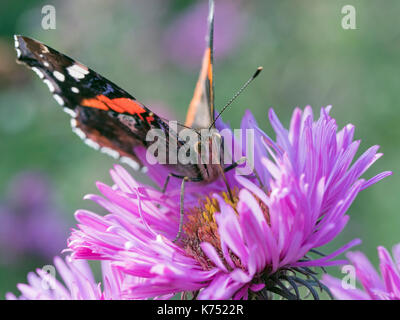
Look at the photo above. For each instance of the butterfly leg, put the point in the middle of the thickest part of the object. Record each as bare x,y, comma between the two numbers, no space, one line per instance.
238,163
224,170
235,164
181,209
182,196
164,188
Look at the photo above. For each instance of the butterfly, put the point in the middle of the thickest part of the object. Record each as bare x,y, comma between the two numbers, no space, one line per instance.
111,120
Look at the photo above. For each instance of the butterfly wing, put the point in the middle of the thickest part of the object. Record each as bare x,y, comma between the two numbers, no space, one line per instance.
105,116
201,108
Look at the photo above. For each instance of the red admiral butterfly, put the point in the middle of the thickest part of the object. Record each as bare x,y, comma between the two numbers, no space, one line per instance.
109,119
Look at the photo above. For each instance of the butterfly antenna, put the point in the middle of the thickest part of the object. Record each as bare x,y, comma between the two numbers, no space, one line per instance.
180,124
259,69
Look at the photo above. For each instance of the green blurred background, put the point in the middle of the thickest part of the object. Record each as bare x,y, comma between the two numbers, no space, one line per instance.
152,48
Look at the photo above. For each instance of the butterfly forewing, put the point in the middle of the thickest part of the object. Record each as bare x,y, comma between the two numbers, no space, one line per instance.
105,116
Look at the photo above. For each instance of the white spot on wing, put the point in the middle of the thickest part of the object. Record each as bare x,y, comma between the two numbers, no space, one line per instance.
38,72
73,122
130,162
71,112
110,152
16,42
59,76
79,132
59,100
46,64
18,52
74,90
92,144
49,84
77,71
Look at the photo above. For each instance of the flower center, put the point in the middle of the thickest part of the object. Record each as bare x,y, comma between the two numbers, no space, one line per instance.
200,226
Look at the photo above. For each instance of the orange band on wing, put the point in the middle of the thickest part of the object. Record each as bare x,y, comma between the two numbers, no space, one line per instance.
120,105
127,105
198,91
94,103
209,69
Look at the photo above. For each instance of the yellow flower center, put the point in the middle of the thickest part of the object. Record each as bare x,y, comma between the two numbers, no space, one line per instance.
201,227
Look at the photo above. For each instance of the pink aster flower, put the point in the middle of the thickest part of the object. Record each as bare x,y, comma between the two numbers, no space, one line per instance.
251,245
376,287
79,283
